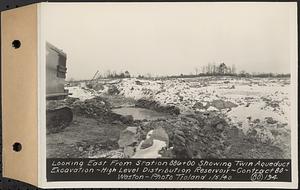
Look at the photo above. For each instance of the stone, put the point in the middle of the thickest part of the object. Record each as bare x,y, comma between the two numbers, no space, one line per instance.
128,136
179,139
178,132
127,119
198,105
113,90
160,141
147,143
220,127
220,104
160,134
98,86
270,120
137,82
129,151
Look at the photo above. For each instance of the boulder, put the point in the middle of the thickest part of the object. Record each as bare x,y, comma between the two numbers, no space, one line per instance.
127,119
198,105
129,151
137,82
270,120
181,145
156,141
128,136
221,104
147,143
98,86
160,134
113,90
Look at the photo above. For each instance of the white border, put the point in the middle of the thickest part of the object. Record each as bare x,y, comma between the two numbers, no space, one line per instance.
41,95
154,184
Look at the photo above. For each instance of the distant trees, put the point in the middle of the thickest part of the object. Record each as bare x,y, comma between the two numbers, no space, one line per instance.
114,74
211,69
217,69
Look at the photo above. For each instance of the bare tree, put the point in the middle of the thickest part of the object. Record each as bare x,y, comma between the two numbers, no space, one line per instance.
108,73
233,69
203,69
196,70
209,68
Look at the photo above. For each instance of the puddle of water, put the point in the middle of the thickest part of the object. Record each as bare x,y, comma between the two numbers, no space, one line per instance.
139,113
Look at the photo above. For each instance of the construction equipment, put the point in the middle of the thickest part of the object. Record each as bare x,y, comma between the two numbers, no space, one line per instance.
58,115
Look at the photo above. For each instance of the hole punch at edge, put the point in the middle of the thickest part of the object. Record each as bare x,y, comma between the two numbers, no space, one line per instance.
17,147
16,44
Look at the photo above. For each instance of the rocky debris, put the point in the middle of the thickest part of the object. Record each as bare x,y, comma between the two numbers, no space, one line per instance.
160,134
147,143
270,120
129,137
95,107
199,105
194,135
110,154
55,104
212,108
181,148
113,90
129,151
203,134
100,109
95,86
221,104
154,105
70,100
159,140
271,103
125,119
137,82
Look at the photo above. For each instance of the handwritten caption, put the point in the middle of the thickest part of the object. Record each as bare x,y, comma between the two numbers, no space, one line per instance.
168,170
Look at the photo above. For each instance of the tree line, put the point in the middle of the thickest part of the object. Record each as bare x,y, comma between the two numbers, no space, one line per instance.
210,69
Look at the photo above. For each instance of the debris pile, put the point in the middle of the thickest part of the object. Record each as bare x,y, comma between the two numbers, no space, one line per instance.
207,117
154,105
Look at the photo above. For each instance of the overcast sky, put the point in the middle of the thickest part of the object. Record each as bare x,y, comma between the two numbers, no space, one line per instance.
171,38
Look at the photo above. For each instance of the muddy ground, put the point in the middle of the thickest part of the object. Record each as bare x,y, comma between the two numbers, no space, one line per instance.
199,129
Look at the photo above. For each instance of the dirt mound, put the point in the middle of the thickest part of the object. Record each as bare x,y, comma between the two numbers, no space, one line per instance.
100,109
113,90
221,104
95,107
209,136
154,105
95,86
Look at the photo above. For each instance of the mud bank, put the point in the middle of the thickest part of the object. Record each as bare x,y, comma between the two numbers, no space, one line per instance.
156,106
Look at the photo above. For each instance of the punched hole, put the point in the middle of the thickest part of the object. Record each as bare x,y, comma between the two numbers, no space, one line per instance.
17,147
16,44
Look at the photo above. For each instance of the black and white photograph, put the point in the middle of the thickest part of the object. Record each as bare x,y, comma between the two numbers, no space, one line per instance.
169,80
150,94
